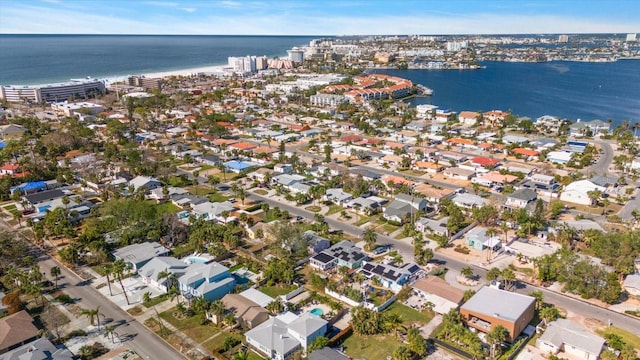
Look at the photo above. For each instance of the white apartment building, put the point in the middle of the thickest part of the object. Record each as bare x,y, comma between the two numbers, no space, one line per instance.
81,88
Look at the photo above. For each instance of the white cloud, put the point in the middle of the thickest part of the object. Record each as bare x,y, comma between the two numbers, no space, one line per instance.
230,4
43,19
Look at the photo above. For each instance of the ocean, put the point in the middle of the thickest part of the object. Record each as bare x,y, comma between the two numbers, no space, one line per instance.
573,90
41,59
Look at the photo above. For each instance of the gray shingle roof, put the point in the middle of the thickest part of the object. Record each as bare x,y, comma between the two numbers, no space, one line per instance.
563,331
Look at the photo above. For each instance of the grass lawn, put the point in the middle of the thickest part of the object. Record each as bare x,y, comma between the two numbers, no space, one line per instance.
262,192
206,167
334,209
270,216
628,337
254,356
371,347
390,227
218,197
276,290
155,301
409,314
364,219
190,326
167,208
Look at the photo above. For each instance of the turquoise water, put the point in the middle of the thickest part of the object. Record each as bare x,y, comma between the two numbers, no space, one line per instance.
317,312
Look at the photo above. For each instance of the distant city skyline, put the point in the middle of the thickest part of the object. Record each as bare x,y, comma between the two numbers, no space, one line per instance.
330,17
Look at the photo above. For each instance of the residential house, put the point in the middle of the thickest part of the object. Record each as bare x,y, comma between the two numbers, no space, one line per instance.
432,226
16,330
283,168
248,313
477,238
469,201
208,280
604,181
145,183
544,185
344,253
337,196
388,276
315,242
565,336
365,206
327,353
597,126
491,307
38,349
213,211
432,194
559,157
437,291
149,272
11,132
578,192
34,199
521,198
485,162
457,173
287,180
428,167
161,194
632,284
137,255
404,206
278,339
468,118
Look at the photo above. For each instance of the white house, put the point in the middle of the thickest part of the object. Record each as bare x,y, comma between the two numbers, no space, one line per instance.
279,337
564,335
578,192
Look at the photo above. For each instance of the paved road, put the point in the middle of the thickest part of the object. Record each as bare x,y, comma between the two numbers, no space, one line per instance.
565,302
606,158
133,334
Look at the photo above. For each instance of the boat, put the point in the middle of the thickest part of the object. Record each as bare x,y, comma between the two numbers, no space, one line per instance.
423,90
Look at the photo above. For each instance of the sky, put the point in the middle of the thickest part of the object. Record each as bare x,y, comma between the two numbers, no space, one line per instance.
318,17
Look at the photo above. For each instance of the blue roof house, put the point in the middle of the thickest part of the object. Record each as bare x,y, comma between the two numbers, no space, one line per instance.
237,166
211,281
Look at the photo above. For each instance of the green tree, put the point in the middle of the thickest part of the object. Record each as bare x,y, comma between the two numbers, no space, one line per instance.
549,313
467,272
93,315
417,343
110,331
539,296
495,337
493,274
119,270
55,273
370,237
402,353
317,344
393,322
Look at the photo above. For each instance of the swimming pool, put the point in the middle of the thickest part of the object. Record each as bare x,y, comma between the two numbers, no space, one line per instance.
317,312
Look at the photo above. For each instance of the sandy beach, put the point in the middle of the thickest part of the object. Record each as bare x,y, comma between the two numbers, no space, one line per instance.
186,72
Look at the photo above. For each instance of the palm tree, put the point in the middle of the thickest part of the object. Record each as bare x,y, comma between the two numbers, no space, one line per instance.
93,315
509,277
467,272
146,297
275,307
369,236
217,309
55,272
393,322
242,354
110,331
119,270
496,337
539,296
108,270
